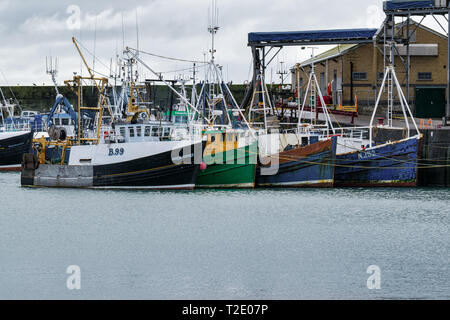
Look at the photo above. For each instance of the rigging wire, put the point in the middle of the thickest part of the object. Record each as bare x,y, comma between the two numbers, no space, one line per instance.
90,53
9,87
186,69
168,58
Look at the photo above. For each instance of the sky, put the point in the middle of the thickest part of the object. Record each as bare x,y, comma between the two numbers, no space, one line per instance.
32,31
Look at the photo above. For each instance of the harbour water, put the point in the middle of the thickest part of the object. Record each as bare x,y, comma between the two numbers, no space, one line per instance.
251,244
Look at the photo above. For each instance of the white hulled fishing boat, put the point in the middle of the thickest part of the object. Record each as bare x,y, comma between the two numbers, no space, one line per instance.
128,153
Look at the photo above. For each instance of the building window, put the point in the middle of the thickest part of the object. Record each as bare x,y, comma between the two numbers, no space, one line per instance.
380,75
425,76
358,76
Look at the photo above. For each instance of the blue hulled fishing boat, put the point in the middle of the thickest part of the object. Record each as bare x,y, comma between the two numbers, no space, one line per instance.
359,161
311,165
393,164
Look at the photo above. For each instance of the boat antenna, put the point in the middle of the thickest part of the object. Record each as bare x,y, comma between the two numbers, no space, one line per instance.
213,27
81,62
137,33
137,45
95,43
123,35
52,70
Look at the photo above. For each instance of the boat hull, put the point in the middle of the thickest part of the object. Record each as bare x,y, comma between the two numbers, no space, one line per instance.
309,166
238,172
390,165
156,171
12,146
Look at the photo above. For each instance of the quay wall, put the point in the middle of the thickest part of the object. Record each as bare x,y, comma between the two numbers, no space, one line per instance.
434,166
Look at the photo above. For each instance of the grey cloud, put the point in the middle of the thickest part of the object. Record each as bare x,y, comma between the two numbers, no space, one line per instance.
31,30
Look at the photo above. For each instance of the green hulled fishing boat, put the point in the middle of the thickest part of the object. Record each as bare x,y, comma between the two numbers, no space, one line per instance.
231,158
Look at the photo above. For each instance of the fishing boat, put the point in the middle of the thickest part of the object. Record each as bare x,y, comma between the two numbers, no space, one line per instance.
288,158
130,156
231,145
360,162
230,157
126,154
311,165
390,164
13,144
15,138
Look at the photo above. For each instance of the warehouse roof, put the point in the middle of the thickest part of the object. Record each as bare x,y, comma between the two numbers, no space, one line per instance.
312,36
339,50
400,5
330,54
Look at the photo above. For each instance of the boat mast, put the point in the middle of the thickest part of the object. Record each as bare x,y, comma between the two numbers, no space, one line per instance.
213,28
76,86
217,95
134,55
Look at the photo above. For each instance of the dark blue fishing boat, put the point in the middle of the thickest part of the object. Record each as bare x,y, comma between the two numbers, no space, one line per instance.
305,166
12,146
392,164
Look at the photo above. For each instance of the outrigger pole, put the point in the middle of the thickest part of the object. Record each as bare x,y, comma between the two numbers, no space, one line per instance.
391,78
313,84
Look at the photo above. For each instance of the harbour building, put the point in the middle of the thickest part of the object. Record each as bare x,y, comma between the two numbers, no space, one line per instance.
351,74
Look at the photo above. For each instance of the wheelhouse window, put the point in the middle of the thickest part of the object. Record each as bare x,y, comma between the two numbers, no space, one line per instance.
139,131
122,131
147,131
359,76
156,131
166,132
131,130
425,76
